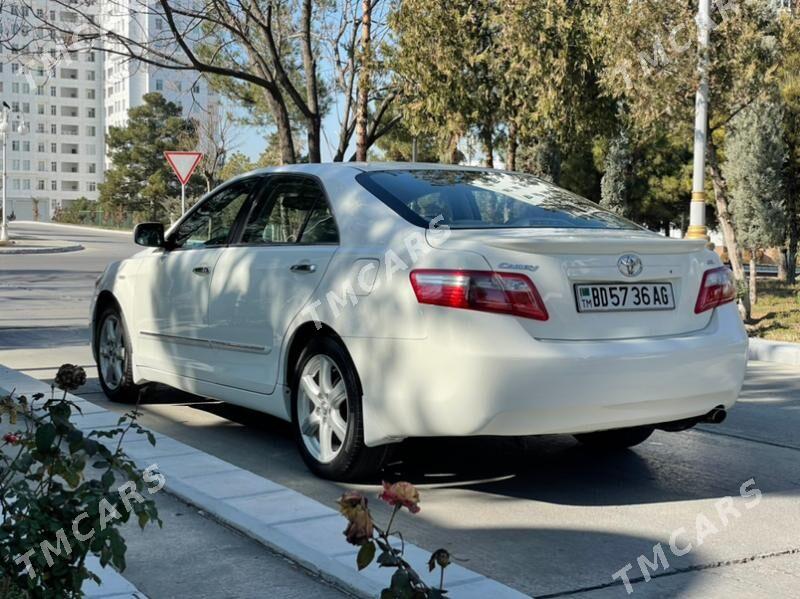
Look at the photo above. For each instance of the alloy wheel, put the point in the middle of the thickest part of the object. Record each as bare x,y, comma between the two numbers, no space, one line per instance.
322,408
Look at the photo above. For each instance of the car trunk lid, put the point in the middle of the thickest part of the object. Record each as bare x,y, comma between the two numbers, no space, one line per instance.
557,260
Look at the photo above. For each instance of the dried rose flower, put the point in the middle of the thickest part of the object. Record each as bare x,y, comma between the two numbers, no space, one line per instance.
402,493
440,557
11,438
70,377
353,506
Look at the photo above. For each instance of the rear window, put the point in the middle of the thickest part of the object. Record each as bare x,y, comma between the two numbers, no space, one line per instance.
464,199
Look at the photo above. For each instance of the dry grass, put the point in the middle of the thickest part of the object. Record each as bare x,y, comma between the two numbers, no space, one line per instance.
776,315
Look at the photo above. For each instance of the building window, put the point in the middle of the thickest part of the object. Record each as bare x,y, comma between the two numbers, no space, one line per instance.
40,148
26,146
40,128
53,90
15,87
53,129
15,165
90,75
14,67
26,88
92,186
26,184
90,113
54,185
53,111
91,131
159,85
90,94
15,145
53,147
53,166
90,56
196,88
40,109
91,168
40,185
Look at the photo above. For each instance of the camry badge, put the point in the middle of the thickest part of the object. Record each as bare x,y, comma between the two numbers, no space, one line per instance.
630,265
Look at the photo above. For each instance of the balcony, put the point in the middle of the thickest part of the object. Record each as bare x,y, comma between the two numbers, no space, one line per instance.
69,129
69,167
70,111
69,186
69,73
69,148
69,92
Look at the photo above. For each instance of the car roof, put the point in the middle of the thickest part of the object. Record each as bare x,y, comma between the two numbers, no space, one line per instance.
328,167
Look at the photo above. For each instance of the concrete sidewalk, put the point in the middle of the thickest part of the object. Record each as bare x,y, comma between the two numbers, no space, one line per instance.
293,525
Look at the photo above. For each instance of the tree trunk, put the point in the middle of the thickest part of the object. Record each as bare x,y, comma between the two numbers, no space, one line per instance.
363,82
488,144
792,233
511,151
782,264
283,124
753,293
726,222
313,119
452,157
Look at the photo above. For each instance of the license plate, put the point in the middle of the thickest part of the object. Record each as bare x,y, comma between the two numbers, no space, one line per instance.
619,297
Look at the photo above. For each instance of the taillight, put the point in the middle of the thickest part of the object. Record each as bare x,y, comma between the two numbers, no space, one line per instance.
718,287
487,291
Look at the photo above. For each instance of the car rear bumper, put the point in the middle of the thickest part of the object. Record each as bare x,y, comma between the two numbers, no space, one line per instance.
486,376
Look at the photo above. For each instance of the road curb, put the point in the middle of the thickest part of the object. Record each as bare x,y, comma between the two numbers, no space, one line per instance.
780,352
49,249
80,227
304,530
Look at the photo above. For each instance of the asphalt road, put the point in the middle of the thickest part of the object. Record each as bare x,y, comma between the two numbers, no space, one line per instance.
540,514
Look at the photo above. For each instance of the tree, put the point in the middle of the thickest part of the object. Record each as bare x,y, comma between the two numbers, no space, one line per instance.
652,68
267,52
140,181
445,61
615,186
756,153
790,99
214,133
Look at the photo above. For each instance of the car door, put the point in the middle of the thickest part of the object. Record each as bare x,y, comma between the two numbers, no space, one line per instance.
264,279
173,286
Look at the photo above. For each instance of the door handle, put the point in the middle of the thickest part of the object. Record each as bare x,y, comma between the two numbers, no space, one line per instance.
303,267
201,270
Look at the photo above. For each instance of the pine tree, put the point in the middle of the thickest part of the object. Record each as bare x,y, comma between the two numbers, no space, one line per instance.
756,153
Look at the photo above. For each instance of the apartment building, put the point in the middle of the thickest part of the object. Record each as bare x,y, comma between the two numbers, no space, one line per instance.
58,97
126,81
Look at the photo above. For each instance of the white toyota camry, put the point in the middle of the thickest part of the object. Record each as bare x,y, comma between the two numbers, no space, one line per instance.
369,303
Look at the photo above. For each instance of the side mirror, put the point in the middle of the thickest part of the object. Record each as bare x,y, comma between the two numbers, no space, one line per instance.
149,235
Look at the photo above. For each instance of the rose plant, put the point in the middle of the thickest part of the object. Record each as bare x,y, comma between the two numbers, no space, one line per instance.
59,494
362,531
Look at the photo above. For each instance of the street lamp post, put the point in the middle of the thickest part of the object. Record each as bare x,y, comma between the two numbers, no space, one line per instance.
4,135
697,210
4,130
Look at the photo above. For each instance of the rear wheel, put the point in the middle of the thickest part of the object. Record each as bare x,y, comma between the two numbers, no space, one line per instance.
327,414
620,438
114,357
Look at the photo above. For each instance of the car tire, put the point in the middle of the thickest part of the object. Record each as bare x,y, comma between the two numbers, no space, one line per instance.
621,438
115,357
326,398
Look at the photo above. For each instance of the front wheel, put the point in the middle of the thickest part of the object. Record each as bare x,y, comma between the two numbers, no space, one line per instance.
620,438
114,357
327,414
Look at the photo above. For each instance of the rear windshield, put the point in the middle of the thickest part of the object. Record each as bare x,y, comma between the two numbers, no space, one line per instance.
463,199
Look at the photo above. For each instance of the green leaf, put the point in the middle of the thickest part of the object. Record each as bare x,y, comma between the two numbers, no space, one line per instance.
365,555
45,435
388,560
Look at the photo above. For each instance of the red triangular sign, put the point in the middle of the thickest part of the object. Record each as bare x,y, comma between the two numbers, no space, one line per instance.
183,163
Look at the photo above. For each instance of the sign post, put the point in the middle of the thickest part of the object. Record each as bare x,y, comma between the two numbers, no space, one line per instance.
183,163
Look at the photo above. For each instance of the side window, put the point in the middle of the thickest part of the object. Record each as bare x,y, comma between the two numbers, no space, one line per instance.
211,223
293,209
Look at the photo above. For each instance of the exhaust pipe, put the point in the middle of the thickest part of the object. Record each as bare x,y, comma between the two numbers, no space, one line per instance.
715,416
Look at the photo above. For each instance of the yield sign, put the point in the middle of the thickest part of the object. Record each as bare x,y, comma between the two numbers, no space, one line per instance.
183,163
